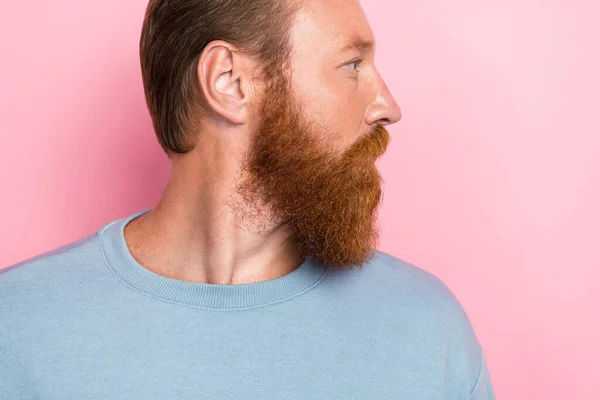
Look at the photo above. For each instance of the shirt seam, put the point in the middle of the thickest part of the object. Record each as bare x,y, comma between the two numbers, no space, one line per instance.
480,370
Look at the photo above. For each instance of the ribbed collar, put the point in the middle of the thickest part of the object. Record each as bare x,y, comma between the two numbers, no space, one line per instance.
202,295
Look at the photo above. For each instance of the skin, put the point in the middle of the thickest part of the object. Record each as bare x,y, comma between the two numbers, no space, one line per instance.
279,172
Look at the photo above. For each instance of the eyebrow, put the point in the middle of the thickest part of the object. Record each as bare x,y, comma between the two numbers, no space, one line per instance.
359,44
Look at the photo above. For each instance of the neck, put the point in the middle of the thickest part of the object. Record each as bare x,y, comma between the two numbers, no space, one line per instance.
201,231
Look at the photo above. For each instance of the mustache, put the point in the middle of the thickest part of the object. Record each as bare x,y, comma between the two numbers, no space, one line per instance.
371,146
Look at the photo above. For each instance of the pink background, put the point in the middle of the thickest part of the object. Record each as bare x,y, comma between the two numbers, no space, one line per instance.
492,177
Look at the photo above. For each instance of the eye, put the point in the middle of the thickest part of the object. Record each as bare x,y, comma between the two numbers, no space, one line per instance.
356,63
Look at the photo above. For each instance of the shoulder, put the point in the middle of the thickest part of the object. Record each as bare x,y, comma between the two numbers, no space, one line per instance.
419,304
47,275
413,288
403,285
61,256
439,310
413,280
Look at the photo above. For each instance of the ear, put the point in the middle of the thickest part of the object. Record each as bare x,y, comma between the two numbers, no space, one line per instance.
225,80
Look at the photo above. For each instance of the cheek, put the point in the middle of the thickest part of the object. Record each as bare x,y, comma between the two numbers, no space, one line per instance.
332,106
345,108
351,120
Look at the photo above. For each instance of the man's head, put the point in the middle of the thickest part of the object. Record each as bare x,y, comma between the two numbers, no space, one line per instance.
315,111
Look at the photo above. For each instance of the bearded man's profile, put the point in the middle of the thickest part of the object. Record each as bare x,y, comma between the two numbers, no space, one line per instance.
257,274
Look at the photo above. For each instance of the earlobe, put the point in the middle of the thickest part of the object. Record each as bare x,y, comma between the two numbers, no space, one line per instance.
221,77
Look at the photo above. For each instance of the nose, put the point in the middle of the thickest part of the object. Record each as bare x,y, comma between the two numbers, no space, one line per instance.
383,110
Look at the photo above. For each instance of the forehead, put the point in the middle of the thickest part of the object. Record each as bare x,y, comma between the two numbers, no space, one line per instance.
328,26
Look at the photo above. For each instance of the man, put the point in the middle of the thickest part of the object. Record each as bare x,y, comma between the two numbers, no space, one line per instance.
256,275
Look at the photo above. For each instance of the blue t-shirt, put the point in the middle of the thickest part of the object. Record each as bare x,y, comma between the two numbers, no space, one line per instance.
86,321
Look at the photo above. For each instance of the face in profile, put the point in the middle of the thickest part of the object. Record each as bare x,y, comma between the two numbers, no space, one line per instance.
312,160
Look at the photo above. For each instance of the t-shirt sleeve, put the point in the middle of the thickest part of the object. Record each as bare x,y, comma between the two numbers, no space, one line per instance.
483,389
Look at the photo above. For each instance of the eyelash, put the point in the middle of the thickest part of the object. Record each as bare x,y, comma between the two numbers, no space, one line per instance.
358,61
